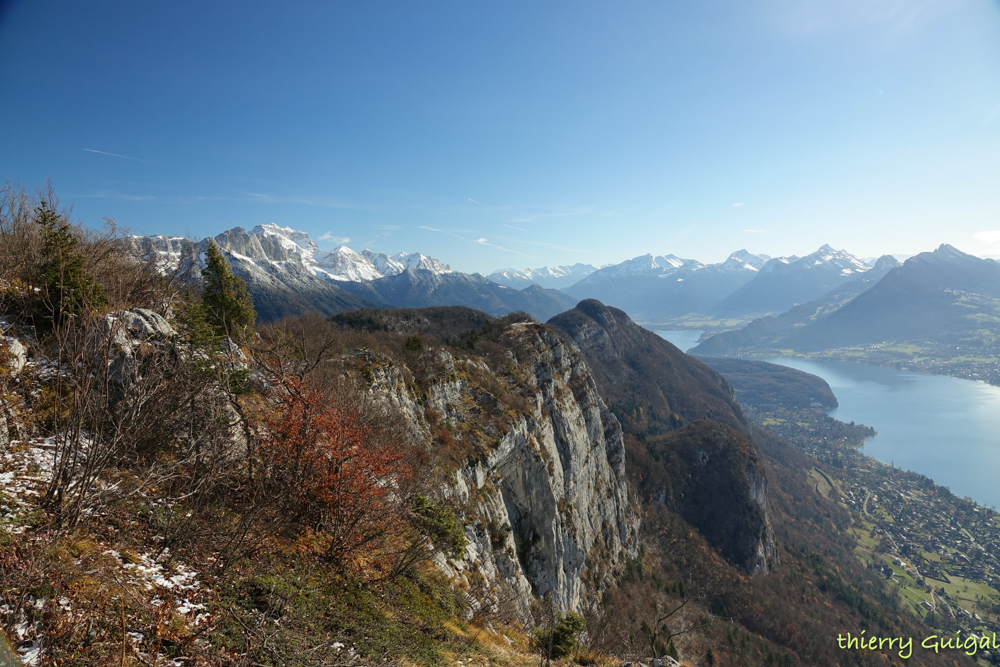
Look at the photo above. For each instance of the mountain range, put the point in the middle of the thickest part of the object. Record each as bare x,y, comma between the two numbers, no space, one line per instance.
658,288
556,277
667,288
786,281
287,274
944,304
943,301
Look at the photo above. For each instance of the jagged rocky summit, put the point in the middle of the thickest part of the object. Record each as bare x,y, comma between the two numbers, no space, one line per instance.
287,274
271,245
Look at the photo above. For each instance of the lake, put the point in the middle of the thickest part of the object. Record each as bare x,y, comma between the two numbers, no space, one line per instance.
941,427
684,340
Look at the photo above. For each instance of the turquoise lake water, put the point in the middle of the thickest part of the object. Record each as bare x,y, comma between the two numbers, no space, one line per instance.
942,427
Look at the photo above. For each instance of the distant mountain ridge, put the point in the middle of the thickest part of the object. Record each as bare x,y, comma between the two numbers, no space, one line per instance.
547,276
784,282
943,304
941,295
273,243
658,288
419,288
287,274
770,329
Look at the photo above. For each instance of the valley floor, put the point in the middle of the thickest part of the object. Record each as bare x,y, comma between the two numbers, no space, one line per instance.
939,551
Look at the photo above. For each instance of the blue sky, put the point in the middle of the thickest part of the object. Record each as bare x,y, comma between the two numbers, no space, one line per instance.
518,133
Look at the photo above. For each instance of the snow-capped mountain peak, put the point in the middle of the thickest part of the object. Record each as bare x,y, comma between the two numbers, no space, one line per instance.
837,259
416,260
342,263
271,248
662,265
290,239
741,260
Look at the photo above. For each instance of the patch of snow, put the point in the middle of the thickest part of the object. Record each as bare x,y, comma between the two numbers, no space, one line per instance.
31,654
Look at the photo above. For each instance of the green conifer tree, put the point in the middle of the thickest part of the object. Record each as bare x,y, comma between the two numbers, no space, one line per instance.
228,306
66,288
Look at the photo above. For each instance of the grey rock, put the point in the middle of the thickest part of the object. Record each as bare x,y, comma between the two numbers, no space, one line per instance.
143,323
550,495
17,353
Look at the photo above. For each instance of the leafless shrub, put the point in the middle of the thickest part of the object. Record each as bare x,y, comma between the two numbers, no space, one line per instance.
102,390
498,602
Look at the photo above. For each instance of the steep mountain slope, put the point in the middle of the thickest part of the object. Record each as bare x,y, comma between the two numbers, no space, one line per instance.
785,282
555,277
769,331
943,296
519,472
940,310
522,441
710,474
660,288
651,385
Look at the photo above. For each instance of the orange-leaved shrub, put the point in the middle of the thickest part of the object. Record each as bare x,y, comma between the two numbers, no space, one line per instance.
332,472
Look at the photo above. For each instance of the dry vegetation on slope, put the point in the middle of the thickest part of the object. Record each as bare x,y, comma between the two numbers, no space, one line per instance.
181,491
173,496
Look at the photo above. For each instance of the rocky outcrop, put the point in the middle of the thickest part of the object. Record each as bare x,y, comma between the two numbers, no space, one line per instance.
13,360
543,483
691,450
14,354
117,338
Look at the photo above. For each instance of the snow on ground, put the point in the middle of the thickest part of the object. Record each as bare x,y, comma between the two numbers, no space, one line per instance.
25,471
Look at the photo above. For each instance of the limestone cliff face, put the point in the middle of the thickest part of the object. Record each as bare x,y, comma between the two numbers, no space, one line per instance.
690,449
542,479
279,272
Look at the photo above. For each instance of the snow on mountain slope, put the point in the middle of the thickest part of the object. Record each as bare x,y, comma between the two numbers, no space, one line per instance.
741,260
270,248
546,276
841,259
663,265
656,288
786,281
344,264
